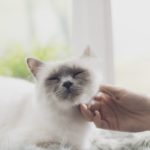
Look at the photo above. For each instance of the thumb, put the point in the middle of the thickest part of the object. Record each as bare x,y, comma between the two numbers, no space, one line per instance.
112,90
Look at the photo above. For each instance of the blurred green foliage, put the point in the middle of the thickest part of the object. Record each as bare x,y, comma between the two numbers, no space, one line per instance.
13,61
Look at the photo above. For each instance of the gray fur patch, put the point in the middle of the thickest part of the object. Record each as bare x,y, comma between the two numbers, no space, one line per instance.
79,77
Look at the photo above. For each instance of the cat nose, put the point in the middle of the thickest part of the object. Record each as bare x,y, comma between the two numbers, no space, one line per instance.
67,84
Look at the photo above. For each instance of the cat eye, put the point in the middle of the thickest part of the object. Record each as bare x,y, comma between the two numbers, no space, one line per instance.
77,73
53,79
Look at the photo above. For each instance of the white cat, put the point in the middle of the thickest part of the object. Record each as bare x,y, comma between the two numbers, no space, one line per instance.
50,113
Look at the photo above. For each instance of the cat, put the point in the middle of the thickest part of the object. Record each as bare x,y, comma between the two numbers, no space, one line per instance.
49,112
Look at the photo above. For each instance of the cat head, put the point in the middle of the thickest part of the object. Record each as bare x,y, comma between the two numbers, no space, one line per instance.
67,83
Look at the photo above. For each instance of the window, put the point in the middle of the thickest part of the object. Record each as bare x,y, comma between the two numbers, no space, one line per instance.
116,30
120,35
41,28
35,21
131,34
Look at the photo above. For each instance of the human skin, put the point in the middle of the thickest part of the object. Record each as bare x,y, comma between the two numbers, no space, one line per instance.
118,109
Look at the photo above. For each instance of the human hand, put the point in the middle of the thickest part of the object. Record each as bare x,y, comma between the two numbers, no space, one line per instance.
119,109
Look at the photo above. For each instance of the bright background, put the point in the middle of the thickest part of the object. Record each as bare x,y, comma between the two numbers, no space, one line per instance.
38,28
43,28
131,35
42,21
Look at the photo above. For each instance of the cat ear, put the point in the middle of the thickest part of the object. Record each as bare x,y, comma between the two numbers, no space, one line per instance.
87,52
34,65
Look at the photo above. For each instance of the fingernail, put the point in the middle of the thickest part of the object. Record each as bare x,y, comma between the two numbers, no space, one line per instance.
96,112
99,94
83,106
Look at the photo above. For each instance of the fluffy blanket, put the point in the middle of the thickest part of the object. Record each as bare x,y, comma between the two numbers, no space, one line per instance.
107,140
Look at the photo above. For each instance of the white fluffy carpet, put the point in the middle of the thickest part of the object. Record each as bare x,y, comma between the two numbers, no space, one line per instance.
123,141
108,141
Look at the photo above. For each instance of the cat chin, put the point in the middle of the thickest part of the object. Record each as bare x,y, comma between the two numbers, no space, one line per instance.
66,104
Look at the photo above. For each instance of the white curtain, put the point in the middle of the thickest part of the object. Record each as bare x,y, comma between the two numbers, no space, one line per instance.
92,27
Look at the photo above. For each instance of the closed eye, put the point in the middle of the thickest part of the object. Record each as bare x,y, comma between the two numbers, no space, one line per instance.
77,73
53,79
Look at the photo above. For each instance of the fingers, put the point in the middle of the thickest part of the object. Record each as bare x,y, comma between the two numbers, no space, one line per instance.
99,122
95,106
103,97
88,115
111,90
95,117
98,97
